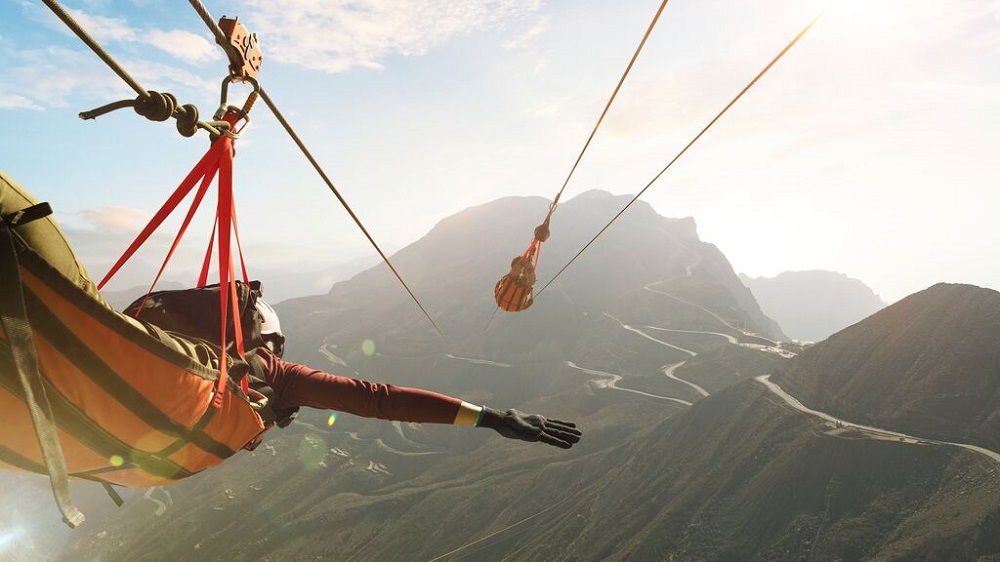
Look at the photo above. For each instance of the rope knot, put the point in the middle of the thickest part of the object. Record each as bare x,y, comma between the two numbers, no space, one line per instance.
156,106
187,120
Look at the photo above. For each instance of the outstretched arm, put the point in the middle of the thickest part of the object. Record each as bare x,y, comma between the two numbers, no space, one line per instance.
298,385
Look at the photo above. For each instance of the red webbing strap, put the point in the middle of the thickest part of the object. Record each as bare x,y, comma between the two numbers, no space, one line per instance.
239,247
238,322
208,163
203,276
199,195
534,251
217,160
227,281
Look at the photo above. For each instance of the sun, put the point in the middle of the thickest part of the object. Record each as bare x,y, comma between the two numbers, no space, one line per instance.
885,21
881,21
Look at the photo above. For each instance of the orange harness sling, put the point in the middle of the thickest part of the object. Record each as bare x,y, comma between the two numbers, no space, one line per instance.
513,292
88,393
125,408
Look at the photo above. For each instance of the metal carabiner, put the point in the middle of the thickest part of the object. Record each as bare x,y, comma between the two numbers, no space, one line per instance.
225,108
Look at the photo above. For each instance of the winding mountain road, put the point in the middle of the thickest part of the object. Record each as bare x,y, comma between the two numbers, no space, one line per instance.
728,337
669,371
611,381
649,337
161,506
477,361
868,431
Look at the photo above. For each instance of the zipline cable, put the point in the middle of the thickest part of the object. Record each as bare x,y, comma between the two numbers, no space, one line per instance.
94,46
607,106
513,292
145,94
155,106
343,202
694,140
221,39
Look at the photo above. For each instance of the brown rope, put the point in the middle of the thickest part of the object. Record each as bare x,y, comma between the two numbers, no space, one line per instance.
694,140
607,106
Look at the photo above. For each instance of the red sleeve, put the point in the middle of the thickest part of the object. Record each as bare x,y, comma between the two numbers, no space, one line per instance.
298,385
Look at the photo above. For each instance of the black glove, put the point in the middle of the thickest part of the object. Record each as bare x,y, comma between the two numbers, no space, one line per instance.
518,425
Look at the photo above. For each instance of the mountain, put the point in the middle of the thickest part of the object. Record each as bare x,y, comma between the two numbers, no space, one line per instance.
929,364
652,346
811,305
281,284
738,475
452,271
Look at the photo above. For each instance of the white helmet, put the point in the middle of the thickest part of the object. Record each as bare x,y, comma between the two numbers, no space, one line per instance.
270,328
269,318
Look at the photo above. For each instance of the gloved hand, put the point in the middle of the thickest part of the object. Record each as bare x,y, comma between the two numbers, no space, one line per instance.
530,427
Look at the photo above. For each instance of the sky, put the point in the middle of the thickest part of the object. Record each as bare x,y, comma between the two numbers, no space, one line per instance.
870,149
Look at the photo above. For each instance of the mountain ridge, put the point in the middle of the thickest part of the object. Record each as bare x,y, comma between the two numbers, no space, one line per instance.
812,305
453,268
929,364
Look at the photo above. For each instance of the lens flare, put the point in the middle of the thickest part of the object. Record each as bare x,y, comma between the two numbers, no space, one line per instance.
312,452
368,347
331,419
15,540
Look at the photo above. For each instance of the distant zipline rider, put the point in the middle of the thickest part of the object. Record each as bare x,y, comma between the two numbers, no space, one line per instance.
513,292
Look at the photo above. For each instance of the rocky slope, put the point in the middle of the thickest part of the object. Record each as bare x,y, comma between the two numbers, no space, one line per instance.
929,364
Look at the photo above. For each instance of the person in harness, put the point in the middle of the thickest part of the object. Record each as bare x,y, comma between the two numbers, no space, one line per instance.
292,385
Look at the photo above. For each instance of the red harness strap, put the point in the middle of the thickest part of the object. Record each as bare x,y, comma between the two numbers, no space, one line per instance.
218,160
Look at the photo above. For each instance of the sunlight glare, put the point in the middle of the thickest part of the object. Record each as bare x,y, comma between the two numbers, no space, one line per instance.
9,536
883,21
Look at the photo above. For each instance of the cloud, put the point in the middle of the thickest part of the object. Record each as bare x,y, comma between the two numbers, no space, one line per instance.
14,101
550,108
51,76
335,36
154,75
528,36
104,29
48,77
121,219
185,45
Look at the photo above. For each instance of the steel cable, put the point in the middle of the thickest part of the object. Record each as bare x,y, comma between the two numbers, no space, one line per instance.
221,39
694,140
